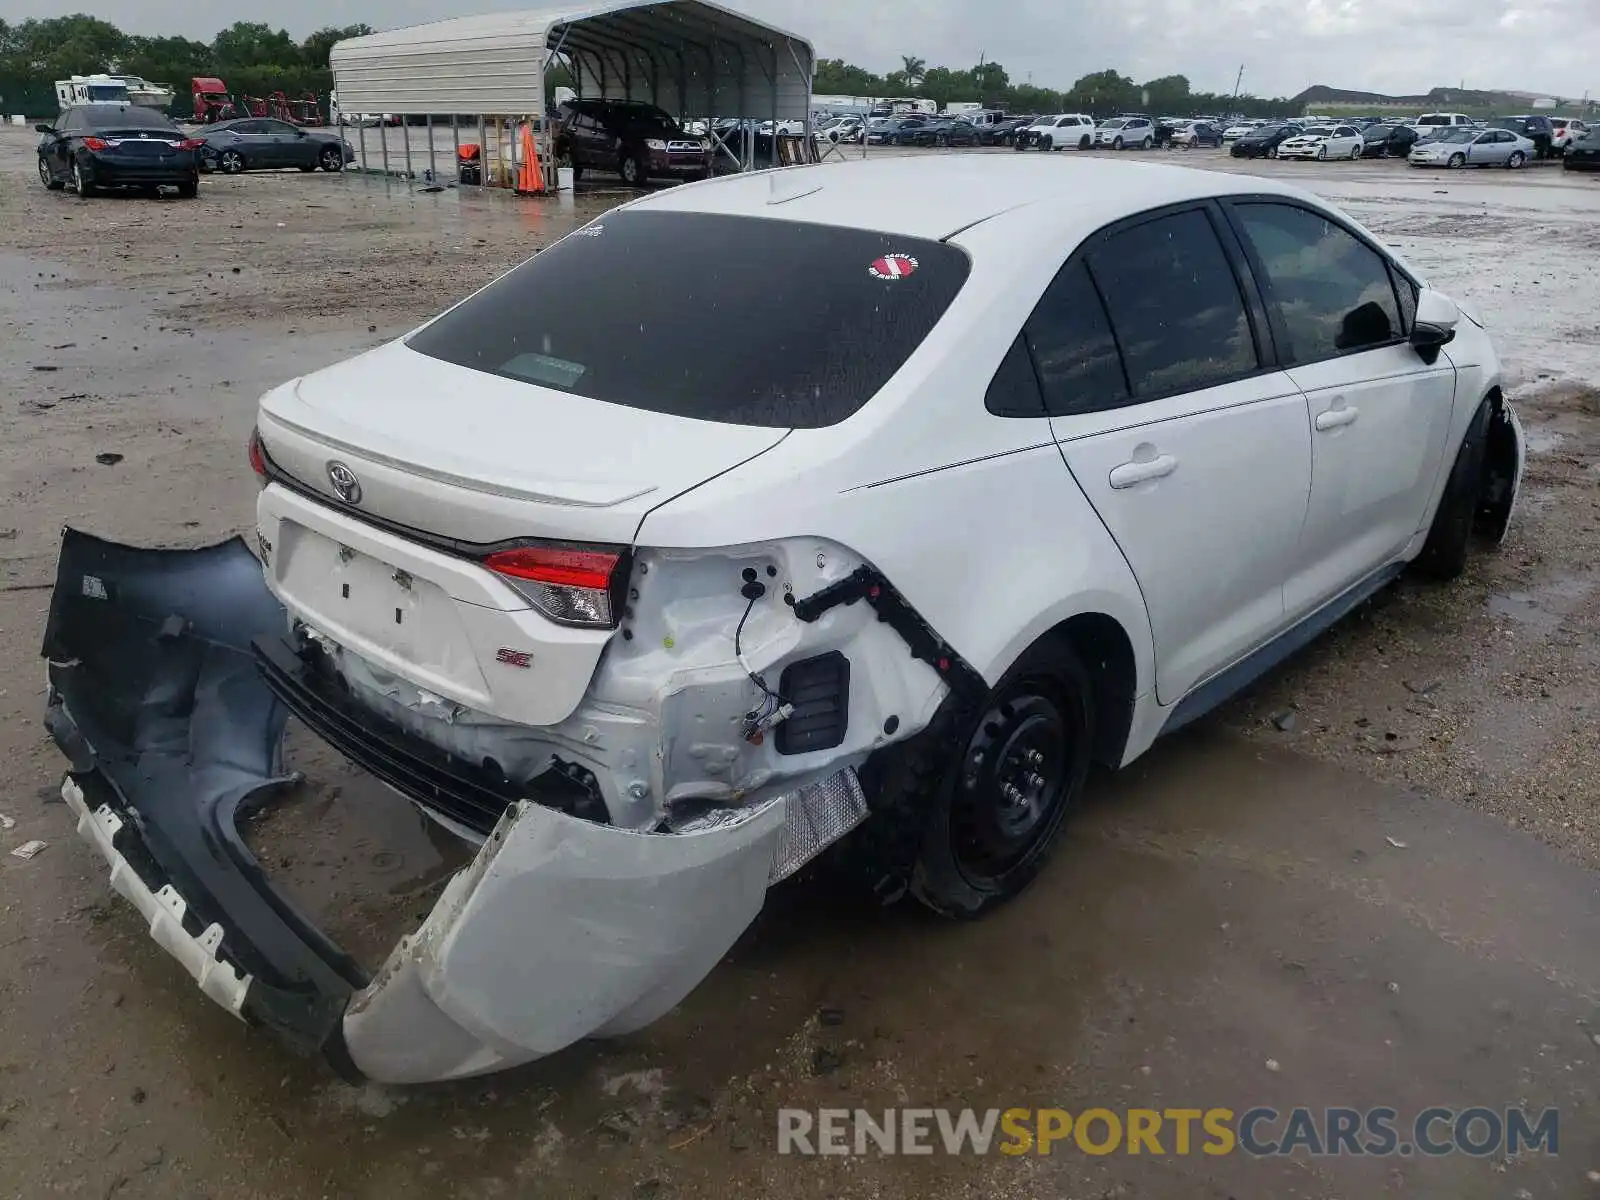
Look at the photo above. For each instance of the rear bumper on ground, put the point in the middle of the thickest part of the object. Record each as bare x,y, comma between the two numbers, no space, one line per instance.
173,732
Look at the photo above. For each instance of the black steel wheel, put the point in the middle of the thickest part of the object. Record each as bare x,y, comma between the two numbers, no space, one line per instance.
1009,772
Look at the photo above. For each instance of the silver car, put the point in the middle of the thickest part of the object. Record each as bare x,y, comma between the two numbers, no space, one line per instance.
1468,147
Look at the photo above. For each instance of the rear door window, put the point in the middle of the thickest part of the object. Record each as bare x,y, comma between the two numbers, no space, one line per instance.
1175,305
1332,293
1079,370
741,320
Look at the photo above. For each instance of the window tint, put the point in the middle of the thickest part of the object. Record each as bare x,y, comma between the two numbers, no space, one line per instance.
743,320
1073,349
1174,305
1014,390
1331,290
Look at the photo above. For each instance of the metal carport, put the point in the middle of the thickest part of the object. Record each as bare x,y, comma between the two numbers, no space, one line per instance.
693,58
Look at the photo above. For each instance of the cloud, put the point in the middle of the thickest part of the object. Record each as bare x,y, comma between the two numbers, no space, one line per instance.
1284,45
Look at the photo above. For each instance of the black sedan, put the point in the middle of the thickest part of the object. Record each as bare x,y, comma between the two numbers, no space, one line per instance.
894,131
265,144
1264,142
1375,140
1583,154
96,146
1004,133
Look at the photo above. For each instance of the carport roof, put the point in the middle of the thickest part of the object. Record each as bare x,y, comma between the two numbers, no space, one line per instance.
688,56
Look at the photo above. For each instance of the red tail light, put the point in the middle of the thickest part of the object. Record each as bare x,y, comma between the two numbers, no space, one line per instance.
190,144
94,143
258,455
572,585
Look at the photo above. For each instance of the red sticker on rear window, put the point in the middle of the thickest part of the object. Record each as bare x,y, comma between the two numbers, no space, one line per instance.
893,266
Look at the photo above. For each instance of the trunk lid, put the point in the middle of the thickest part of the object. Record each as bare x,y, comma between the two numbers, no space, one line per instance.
479,458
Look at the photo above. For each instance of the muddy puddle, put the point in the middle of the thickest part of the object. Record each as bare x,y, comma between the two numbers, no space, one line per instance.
353,855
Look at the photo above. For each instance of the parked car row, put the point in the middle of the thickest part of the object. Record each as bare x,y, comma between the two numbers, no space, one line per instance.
100,147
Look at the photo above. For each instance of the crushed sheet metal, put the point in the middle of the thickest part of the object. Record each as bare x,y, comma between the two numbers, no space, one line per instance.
561,929
29,849
162,910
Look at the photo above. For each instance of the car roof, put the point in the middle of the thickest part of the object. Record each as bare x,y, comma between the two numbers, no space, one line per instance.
934,198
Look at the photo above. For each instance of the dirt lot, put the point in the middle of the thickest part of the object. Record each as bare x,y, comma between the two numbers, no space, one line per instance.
1369,881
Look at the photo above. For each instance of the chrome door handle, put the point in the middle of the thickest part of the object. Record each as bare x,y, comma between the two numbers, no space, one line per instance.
1131,473
1335,418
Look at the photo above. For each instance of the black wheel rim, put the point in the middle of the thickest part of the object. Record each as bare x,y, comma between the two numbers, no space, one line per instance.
1013,784
231,162
330,159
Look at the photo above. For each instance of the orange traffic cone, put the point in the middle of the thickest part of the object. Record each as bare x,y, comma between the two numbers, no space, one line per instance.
530,179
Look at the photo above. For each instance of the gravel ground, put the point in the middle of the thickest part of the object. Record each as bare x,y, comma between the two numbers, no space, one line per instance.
1369,880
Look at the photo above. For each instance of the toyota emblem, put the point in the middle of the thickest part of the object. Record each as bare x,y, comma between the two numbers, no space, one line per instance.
345,484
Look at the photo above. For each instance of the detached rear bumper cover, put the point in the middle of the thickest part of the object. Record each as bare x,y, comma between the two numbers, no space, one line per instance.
560,929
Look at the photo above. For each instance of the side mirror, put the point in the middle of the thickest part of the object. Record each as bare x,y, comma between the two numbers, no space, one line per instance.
44,128
1435,323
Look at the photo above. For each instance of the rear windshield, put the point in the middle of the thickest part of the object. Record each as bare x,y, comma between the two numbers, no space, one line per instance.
131,116
742,320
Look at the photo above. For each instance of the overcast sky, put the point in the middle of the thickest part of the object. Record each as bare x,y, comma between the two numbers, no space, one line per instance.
1394,46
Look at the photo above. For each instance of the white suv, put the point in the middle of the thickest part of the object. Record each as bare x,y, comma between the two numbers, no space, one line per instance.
1058,133
982,473
1125,133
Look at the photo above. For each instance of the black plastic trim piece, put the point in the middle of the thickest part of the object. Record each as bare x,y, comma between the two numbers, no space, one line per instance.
300,677
864,583
819,689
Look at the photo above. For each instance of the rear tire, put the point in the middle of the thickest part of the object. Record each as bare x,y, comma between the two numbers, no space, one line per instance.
1083,142
81,183
1444,554
46,178
231,162
188,191
985,789
1516,160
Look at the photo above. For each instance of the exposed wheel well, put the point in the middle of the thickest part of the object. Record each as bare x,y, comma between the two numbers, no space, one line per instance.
1107,654
1495,489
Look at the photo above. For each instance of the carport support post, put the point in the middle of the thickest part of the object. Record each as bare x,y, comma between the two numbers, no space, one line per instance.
361,139
383,141
455,140
483,154
433,173
405,135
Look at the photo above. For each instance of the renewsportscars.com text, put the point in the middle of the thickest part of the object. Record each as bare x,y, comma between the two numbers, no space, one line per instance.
1259,1132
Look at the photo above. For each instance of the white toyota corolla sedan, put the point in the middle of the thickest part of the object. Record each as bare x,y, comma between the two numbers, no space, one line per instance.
888,494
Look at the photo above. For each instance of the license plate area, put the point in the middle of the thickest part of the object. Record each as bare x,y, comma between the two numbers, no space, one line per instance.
385,613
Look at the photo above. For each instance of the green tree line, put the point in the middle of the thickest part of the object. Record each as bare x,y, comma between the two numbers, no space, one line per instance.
1101,94
250,57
